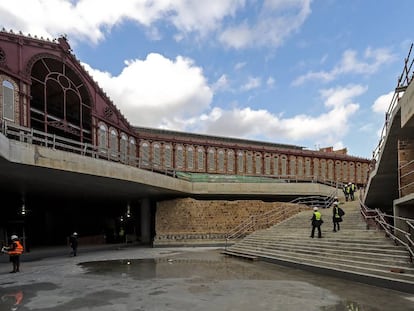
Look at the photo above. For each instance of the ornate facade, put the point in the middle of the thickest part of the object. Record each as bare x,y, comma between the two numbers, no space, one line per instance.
45,88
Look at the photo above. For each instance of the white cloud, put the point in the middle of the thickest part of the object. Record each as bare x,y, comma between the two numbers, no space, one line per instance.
221,84
326,129
270,81
91,19
382,103
157,91
277,20
371,61
252,83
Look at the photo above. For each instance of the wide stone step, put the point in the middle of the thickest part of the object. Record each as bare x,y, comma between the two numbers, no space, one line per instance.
330,245
349,266
372,257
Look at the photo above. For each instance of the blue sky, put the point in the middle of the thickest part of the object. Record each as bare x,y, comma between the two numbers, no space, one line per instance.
309,73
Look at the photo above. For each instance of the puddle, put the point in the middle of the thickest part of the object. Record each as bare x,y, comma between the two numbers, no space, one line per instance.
202,281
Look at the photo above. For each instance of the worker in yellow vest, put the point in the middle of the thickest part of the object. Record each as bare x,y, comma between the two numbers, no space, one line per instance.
316,222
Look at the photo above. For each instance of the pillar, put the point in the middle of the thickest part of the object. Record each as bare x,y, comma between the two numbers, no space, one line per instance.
145,221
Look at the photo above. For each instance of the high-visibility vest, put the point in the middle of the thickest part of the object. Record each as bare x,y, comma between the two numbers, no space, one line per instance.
318,215
337,212
18,250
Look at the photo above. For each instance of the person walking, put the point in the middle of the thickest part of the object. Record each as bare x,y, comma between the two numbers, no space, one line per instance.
73,242
336,217
14,250
316,222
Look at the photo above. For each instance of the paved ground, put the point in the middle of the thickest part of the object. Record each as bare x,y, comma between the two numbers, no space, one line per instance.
139,278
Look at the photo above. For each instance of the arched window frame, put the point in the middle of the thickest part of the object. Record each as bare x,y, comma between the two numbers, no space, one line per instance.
211,159
179,156
230,161
8,101
145,153
103,138
168,156
132,151
123,147
200,158
113,142
190,158
156,154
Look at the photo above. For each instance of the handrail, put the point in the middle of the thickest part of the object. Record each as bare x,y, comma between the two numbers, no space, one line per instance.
32,136
403,81
380,219
53,141
274,216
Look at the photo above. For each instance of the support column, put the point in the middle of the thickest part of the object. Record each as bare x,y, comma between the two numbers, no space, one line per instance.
145,221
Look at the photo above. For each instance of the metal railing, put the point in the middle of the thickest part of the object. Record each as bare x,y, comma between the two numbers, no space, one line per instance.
404,80
386,222
35,137
276,215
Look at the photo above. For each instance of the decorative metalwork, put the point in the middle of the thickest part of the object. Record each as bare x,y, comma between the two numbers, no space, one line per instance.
2,56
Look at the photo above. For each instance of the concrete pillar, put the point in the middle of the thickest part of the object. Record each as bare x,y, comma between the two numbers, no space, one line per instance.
145,221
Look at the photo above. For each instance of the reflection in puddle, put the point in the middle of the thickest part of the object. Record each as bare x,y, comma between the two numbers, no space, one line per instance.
168,268
196,281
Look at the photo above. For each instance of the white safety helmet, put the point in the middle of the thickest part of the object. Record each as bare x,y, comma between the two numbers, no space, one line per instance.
14,237
315,208
75,233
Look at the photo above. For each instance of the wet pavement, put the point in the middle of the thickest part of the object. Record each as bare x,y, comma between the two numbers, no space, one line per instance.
139,278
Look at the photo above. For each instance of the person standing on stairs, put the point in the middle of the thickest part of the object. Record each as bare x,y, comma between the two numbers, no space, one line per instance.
336,217
316,222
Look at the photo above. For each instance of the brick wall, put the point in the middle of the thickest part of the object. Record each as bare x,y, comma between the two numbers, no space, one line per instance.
189,221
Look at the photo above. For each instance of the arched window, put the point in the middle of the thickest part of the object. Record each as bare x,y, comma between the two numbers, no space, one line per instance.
8,101
316,168
308,168
267,164
344,177
145,154
258,163
240,162
283,164
276,165
132,151
249,162
200,158
167,156
230,161
299,171
292,166
211,159
221,160
331,170
179,157
190,158
156,154
123,147
60,100
324,169
102,138
114,143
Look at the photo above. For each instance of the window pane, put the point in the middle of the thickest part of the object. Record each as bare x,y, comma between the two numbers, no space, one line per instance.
8,101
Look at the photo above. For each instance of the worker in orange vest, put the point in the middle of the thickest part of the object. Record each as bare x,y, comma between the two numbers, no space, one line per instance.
15,249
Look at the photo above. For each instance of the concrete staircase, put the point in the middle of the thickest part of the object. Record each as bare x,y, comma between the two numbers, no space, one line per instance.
354,252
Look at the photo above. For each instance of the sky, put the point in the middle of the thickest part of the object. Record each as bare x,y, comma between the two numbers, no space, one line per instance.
309,73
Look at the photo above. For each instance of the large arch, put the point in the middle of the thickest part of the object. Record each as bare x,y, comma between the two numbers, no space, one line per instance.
60,102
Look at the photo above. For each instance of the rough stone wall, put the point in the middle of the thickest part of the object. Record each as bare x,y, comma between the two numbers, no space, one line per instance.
189,220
